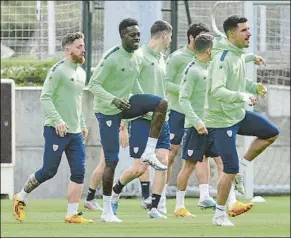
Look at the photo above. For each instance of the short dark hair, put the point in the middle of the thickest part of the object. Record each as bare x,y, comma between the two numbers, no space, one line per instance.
203,42
195,29
127,22
71,37
160,26
231,22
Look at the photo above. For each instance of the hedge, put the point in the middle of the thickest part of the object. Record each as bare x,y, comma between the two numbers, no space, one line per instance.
26,71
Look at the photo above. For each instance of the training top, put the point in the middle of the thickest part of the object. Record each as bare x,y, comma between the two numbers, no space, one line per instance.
61,96
176,63
116,75
152,73
193,93
227,82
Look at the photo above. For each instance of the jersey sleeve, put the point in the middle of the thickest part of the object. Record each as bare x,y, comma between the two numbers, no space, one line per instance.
100,75
50,87
251,86
171,71
82,120
249,57
187,87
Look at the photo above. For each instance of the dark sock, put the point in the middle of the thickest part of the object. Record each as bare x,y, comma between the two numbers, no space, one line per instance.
118,187
155,200
145,190
91,194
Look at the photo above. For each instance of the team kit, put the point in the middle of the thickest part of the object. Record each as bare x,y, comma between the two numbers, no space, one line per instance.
191,102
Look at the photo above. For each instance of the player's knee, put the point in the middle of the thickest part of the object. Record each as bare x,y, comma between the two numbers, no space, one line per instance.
231,169
164,160
275,137
271,134
79,179
173,153
189,164
77,176
45,175
110,165
163,105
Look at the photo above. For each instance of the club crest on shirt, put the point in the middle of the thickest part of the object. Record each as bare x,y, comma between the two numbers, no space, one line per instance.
135,149
109,123
190,152
55,147
229,133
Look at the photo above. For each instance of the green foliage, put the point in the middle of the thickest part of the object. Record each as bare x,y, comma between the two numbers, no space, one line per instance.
26,71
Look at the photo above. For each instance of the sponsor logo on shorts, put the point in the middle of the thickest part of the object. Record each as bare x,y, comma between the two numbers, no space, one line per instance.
109,123
55,147
229,133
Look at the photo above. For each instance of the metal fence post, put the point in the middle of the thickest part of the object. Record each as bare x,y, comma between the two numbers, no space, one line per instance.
87,30
174,22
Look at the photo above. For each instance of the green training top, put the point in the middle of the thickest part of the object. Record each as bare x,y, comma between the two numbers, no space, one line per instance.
176,63
227,85
115,76
193,93
152,74
61,96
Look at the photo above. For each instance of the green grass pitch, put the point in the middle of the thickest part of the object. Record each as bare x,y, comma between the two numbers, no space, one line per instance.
44,218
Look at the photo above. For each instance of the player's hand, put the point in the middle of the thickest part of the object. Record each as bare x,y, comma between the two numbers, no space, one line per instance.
61,128
84,133
123,137
253,100
261,89
259,60
201,129
122,104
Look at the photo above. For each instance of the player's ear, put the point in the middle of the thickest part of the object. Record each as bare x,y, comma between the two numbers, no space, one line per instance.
230,33
191,38
164,35
68,49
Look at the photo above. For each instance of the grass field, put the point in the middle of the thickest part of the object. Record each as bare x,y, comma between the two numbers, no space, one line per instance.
44,218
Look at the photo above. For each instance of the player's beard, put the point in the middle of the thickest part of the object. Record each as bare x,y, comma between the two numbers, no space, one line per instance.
78,59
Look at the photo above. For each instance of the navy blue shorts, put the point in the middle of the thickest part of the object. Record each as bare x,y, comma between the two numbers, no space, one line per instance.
253,124
72,145
176,123
109,125
196,145
139,130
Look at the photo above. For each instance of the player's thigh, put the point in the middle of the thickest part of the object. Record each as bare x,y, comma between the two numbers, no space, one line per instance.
225,142
109,135
141,104
162,155
210,147
176,124
138,136
164,138
193,145
76,154
255,124
53,148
